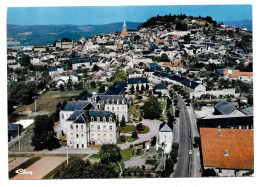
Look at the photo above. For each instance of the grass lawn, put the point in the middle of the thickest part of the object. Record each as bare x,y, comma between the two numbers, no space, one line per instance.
127,138
95,156
146,130
126,153
127,129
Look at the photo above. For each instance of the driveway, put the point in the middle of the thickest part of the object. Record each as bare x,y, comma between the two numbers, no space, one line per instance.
154,131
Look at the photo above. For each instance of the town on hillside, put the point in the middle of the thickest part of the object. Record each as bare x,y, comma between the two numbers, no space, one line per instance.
172,98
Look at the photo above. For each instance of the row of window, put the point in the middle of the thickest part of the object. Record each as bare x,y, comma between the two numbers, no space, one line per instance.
99,127
104,136
113,108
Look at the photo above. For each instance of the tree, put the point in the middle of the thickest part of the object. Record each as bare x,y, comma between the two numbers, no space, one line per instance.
142,89
132,89
164,58
139,127
197,141
25,60
93,84
120,76
122,138
168,102
61,87
44,136
187,38
153,142
95,68
83,93
152,109
69,84
147,87
134,134
101,88
122,123
21,93
110,153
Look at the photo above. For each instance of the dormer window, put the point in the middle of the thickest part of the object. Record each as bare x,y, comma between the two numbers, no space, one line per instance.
110,119
98,118
92,118
104,118
118,101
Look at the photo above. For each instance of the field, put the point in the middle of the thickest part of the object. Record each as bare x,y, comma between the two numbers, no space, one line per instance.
41,168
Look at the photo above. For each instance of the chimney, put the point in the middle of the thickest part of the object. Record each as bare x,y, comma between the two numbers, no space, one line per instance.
226,152
220,133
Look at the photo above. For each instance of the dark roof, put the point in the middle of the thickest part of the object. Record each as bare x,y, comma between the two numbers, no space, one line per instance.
75,105
226,122
13,126
224,107
137,80
101,115
122,84
118,90
248,111
52,68
112,98
76,114
85,97
160,87
166,127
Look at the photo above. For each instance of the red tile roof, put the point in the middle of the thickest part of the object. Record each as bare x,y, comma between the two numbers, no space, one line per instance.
238,142
246,74
124,33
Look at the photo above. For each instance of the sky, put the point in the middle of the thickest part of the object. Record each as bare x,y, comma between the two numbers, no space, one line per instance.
96,15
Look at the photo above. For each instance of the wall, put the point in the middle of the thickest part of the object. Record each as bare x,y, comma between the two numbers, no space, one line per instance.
214,92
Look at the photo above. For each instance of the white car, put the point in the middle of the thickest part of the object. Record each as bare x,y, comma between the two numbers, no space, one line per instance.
190,152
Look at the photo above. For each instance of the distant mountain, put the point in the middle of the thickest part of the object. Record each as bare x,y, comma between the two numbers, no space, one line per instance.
47,34
241,23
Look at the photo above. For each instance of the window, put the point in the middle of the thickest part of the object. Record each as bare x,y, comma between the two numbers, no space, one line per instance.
110,128
112,108
92,136
104,136
81,126
71,126
77,136
110,119
123,108
98,136
62,116
82,135
92,127
77,126
104,127
117,108
110,136
92,118
107,108
82,145
98,118
71,135
104,118
98,127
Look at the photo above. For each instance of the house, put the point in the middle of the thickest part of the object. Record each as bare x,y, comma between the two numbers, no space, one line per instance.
14,130
166,136
230,152
160,88
225,108
91,127
117,104
137,82
68,110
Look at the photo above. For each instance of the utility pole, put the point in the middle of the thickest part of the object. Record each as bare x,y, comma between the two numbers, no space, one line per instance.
35,97
19,137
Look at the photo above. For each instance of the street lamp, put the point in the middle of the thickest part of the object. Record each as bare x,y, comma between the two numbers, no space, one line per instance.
35,97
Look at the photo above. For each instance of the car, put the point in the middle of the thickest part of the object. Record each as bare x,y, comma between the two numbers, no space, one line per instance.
190,152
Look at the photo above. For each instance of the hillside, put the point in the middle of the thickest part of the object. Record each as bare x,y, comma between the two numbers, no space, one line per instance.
47,34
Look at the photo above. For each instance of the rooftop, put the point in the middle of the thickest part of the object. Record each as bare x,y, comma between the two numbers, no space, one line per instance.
238,142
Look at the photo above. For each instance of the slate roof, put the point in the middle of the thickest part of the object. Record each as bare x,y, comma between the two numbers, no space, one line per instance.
160,87
85,97
75,105
238,142
52,68
76,114
122,84
248,111
101,114
112,98
224,107
118,90
137,80
166,127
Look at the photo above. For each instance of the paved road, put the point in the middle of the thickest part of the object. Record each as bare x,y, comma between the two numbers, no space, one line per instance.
182,167
61,150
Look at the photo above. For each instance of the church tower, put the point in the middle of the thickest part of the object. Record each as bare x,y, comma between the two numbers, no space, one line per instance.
124,31
124,27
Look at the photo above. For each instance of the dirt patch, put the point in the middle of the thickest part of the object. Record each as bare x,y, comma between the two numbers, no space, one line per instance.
41,168
16,162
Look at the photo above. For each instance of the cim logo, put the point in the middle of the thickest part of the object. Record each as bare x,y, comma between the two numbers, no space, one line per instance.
23,171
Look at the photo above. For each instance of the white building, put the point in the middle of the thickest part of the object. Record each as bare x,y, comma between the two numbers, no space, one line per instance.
166,136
